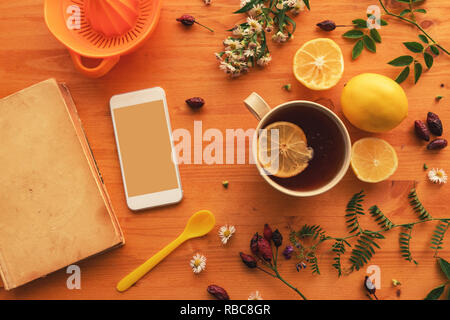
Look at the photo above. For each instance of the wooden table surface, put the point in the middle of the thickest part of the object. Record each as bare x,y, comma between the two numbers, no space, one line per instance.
181,61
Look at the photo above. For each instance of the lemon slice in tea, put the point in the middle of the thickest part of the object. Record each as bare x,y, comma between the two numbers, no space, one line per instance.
283,150
373,159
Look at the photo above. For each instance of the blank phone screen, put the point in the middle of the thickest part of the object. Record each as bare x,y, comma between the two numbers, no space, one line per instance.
145,148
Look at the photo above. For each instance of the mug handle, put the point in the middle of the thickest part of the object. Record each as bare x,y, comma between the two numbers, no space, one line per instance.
256,105
99,71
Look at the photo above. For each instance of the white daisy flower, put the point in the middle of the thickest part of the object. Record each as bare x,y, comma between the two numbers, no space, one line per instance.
264,61
244,2
437,176
280,37
255,296
238,31
198,263
249,53
256,11
225,233
231,44
254,25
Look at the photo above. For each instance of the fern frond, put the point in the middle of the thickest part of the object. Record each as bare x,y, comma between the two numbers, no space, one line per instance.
405,244
354,208
313,262
312,231
417,206
438,236
339,249
364,250
380,218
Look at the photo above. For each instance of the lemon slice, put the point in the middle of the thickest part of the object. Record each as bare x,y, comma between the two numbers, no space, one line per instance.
373,159
319,64
283,150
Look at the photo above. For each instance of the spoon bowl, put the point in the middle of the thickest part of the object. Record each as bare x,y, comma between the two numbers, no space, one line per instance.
199,224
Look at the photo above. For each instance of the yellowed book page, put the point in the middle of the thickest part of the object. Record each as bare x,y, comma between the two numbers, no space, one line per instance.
51,211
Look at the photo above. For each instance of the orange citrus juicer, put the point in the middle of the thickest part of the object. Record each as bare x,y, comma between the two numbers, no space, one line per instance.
101,29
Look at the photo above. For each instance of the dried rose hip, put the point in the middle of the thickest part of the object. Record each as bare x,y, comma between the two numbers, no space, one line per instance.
195,102
218,292
437,144
421,130
186,19
277,238
327,25
254,244
264,249
267,232
248,260
435,124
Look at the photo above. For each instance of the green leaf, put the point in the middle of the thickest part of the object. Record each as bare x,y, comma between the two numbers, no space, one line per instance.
375,35
357,49
423,38
369,43
360,23
383,22
404,12
436,293
445,267
414,46
247,7
401,61
420,10
435,50
403,75
353,34
417,71
428,59
307,4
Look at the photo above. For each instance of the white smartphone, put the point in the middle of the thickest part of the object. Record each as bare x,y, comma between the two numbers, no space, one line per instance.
145,146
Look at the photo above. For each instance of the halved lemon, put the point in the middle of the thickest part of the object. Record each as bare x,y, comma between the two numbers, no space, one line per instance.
373,159
283,150
319,64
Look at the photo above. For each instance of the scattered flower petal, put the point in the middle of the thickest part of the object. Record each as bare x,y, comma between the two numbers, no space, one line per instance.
255,296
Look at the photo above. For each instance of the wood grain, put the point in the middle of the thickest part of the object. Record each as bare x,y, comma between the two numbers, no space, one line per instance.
181,61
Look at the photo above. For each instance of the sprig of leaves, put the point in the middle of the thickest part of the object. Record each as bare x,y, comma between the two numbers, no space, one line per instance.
355,208
365,36
418,206
381,219
405,244
437,292
423,50
438,236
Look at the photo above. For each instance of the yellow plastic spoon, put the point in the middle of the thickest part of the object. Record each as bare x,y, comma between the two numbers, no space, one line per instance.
198,225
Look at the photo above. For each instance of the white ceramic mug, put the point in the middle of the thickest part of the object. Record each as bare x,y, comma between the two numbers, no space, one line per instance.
260,109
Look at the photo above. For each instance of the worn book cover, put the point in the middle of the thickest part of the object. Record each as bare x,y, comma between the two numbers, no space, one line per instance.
54,208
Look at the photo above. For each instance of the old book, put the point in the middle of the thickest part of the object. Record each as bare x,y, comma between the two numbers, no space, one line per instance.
54,208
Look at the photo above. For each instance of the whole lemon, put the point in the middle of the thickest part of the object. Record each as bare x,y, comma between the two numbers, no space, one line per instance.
374,103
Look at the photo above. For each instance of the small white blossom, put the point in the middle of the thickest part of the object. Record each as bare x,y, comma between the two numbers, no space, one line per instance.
231,44
254,25
256,11
226,232
264,61
437,176
255,296
280,37
207,2
244,2
198,263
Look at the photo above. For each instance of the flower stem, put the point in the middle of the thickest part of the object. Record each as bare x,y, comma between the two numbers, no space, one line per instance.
204,26
289,285
413,23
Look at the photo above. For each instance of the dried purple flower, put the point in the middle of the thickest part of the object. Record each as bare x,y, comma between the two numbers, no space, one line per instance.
218,292
189,20
288,252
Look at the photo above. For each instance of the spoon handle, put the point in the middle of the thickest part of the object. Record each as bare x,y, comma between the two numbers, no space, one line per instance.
148,265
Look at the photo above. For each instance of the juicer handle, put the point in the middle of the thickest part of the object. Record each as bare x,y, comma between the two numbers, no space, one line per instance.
99,71
256,105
